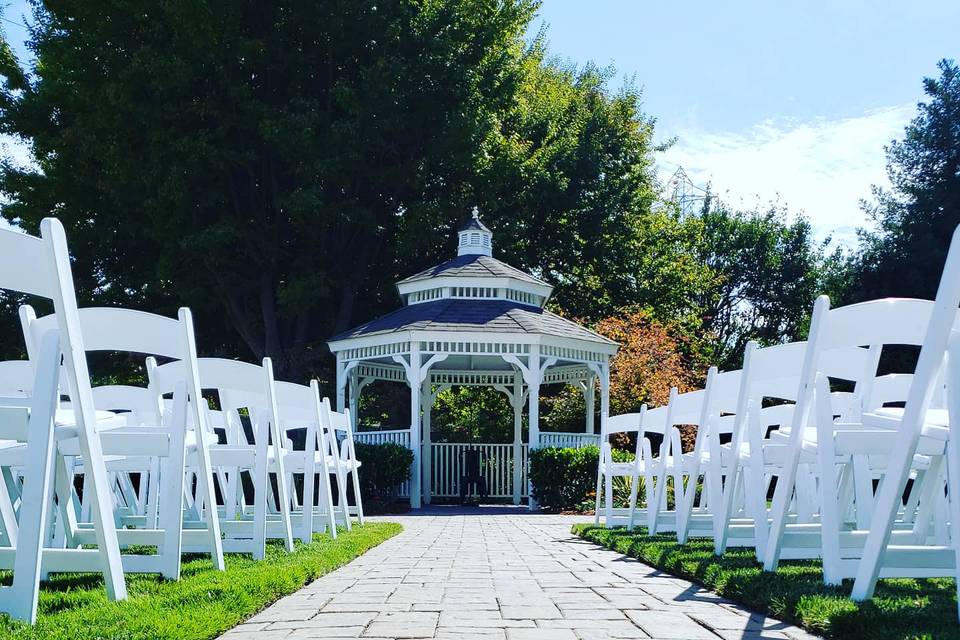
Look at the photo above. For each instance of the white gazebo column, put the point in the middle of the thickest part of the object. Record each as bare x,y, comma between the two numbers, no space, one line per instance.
533,376
416,374
345,377
416,393
589,397
516,400
341,383
426,463
354,399
515,395
602,370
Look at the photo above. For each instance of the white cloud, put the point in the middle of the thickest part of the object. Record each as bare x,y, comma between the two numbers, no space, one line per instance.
821,168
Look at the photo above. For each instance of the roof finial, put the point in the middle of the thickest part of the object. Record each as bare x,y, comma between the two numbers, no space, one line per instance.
476,212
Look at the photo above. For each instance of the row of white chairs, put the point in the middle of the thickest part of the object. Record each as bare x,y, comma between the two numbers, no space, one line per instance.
862,467
200,459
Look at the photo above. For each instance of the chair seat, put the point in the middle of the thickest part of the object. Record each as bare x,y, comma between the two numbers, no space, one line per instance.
241,455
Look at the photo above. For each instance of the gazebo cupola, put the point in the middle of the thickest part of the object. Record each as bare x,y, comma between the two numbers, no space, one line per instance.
474,275
475,321
475,238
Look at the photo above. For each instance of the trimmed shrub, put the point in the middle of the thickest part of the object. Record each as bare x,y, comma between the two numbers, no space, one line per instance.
384,468
565,479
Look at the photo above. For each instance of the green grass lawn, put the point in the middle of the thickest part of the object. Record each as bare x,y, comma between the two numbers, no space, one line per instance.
203,604
903,608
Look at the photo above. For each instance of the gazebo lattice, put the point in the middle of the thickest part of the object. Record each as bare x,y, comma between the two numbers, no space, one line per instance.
473,321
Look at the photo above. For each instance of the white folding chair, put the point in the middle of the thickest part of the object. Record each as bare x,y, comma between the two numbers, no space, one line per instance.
683,409
41,267
249,388
833,441
345,464
300,408
170,436
608,468
719,403
913,425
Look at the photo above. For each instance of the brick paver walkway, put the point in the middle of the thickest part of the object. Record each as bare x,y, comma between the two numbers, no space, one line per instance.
502,575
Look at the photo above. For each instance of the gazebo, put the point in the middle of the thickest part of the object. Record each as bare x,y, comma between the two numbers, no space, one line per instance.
476,321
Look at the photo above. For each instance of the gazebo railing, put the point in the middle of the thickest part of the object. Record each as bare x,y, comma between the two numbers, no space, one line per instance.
399,436
573,440
446,460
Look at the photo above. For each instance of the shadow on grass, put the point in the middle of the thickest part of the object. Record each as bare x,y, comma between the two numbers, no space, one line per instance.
901,609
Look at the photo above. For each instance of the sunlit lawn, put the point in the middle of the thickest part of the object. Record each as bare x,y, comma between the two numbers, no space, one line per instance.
203,604
903,608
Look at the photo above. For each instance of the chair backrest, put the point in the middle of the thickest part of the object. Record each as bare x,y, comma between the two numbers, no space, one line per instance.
889,389
894,321
25,263
16,378
338,421
623,423
125,330
239,386
41,267
296,404
141,402
655,420
687,408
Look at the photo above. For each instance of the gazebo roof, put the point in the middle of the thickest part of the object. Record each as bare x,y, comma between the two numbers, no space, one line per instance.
474,316
476,311
474,266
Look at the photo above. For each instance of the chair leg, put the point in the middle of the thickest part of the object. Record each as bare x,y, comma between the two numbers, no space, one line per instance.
171,496
356,492
596,508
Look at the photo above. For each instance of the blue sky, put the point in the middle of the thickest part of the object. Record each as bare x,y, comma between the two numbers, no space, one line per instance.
768,100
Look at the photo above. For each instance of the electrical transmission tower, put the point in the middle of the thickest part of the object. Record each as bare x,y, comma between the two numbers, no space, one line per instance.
690,198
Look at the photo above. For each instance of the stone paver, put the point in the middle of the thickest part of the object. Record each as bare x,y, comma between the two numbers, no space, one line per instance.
503,575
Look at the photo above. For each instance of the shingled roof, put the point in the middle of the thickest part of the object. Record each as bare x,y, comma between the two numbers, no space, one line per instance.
460,315
474,266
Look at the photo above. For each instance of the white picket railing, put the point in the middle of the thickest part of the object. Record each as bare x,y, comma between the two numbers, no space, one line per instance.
446,460
566,439
399,436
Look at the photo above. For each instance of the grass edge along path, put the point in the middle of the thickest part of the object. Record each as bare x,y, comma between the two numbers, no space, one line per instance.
202,605
901,609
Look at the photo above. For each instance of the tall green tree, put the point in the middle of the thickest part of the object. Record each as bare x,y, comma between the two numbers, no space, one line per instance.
255,160
766,271
277,165
916,217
